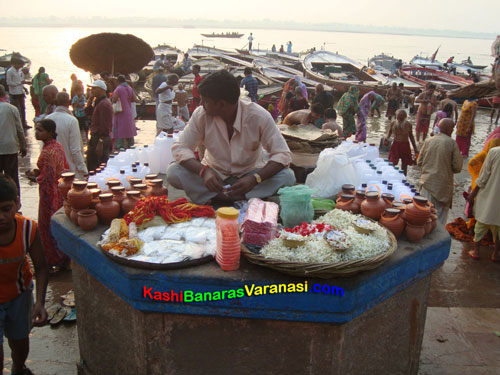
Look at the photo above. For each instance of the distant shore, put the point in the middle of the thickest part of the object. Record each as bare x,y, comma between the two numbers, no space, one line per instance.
233,25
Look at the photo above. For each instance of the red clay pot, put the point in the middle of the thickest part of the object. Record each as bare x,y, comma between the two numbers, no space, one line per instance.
130,200
414,233
157,188
74,216
118,194
419,211
392,220
388,199
359,197
79,196
95,197
65,184
373,206
346,203
107,209
87,219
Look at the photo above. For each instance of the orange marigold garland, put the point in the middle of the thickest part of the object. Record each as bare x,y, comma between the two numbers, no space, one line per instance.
177,211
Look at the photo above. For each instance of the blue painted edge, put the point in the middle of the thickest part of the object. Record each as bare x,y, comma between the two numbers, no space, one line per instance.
303,307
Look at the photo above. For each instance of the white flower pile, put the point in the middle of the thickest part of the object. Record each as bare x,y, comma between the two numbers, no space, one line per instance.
318,251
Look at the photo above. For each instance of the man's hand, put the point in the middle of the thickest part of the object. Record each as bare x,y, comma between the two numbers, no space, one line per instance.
23,152
39,315
242,186
212,181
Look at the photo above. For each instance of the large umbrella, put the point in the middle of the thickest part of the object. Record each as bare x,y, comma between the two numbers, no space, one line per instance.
112,52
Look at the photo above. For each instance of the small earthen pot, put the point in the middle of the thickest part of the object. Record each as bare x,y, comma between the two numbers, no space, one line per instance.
392,220
74,216
414,233
65,184
143,188
87,219
133,181
428,226
79,196
434,219
346,203
130,200
92,185
359,197
95,197
149,177
388,199
67,209
373,206
419,211
347,189
118,194
111,183
157,188
107,209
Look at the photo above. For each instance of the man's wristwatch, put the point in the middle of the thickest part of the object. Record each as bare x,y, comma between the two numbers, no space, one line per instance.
257,177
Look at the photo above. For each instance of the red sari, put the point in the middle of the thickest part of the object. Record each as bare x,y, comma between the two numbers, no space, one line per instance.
51,163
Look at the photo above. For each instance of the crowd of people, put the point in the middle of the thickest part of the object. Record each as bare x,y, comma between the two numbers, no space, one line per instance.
103,118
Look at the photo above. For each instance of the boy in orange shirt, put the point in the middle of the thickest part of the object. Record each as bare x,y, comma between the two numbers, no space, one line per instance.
18,237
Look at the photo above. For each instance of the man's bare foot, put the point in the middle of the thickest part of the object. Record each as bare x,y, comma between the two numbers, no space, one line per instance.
474,254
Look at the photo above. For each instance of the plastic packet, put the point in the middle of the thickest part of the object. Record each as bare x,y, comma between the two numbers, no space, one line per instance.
197,235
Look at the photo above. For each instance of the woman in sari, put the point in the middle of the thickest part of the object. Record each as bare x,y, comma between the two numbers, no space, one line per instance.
288,87
364,110
51,163
347,108
303,87
40,80
124,129
465,126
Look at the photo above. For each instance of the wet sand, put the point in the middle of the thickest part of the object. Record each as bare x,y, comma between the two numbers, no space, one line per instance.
464,302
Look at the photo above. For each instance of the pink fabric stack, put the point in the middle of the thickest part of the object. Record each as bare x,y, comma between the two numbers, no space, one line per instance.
260,223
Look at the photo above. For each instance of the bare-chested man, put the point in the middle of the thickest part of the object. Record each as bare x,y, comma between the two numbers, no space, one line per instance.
304,116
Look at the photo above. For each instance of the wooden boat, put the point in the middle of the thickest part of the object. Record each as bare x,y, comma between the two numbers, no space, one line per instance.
340,72
174,54
483,91
223,35
441,79
382,63
426,62
226,57
292,57
5,59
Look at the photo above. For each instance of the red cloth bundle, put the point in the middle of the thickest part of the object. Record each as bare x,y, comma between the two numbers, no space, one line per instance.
260,223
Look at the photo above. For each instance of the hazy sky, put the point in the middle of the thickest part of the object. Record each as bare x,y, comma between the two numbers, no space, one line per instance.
427,14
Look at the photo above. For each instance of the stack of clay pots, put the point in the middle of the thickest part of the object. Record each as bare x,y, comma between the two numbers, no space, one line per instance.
414,216
80,198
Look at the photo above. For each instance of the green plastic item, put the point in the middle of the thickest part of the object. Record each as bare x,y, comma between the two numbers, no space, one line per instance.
323,204
295,204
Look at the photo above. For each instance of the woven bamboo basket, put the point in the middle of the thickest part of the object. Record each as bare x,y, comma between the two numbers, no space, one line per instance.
323,270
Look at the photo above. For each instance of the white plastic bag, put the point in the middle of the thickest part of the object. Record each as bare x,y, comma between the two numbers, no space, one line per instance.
333,170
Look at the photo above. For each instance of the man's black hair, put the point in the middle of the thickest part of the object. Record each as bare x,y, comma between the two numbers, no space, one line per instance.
331,113
220,85
247,71
317,108
8,188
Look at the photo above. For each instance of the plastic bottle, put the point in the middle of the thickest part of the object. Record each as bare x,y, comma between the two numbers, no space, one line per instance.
92,177
228,239
123,179
144,171
143,154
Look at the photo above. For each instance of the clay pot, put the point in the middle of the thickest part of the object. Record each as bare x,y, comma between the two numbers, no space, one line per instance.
133,181
67,209
157,188
347,189
419,211
373,205
92,185
388,199
87,219
143,188
111,183
95,197
118,194
79,196
346,203
74,216
107,209
149,177
428,226
414,233
434,220
359,197
65,184
130,200
392,220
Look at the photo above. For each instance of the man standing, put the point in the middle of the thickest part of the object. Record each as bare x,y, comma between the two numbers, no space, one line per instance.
250,41
195,102
439,159
49,94
158,79
68,135
16,88
11,140
101,124
250,84
235,133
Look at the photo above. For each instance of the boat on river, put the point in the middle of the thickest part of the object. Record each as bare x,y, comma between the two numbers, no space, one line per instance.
234,34
441,79
483,91
341,72
382,63
5,59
